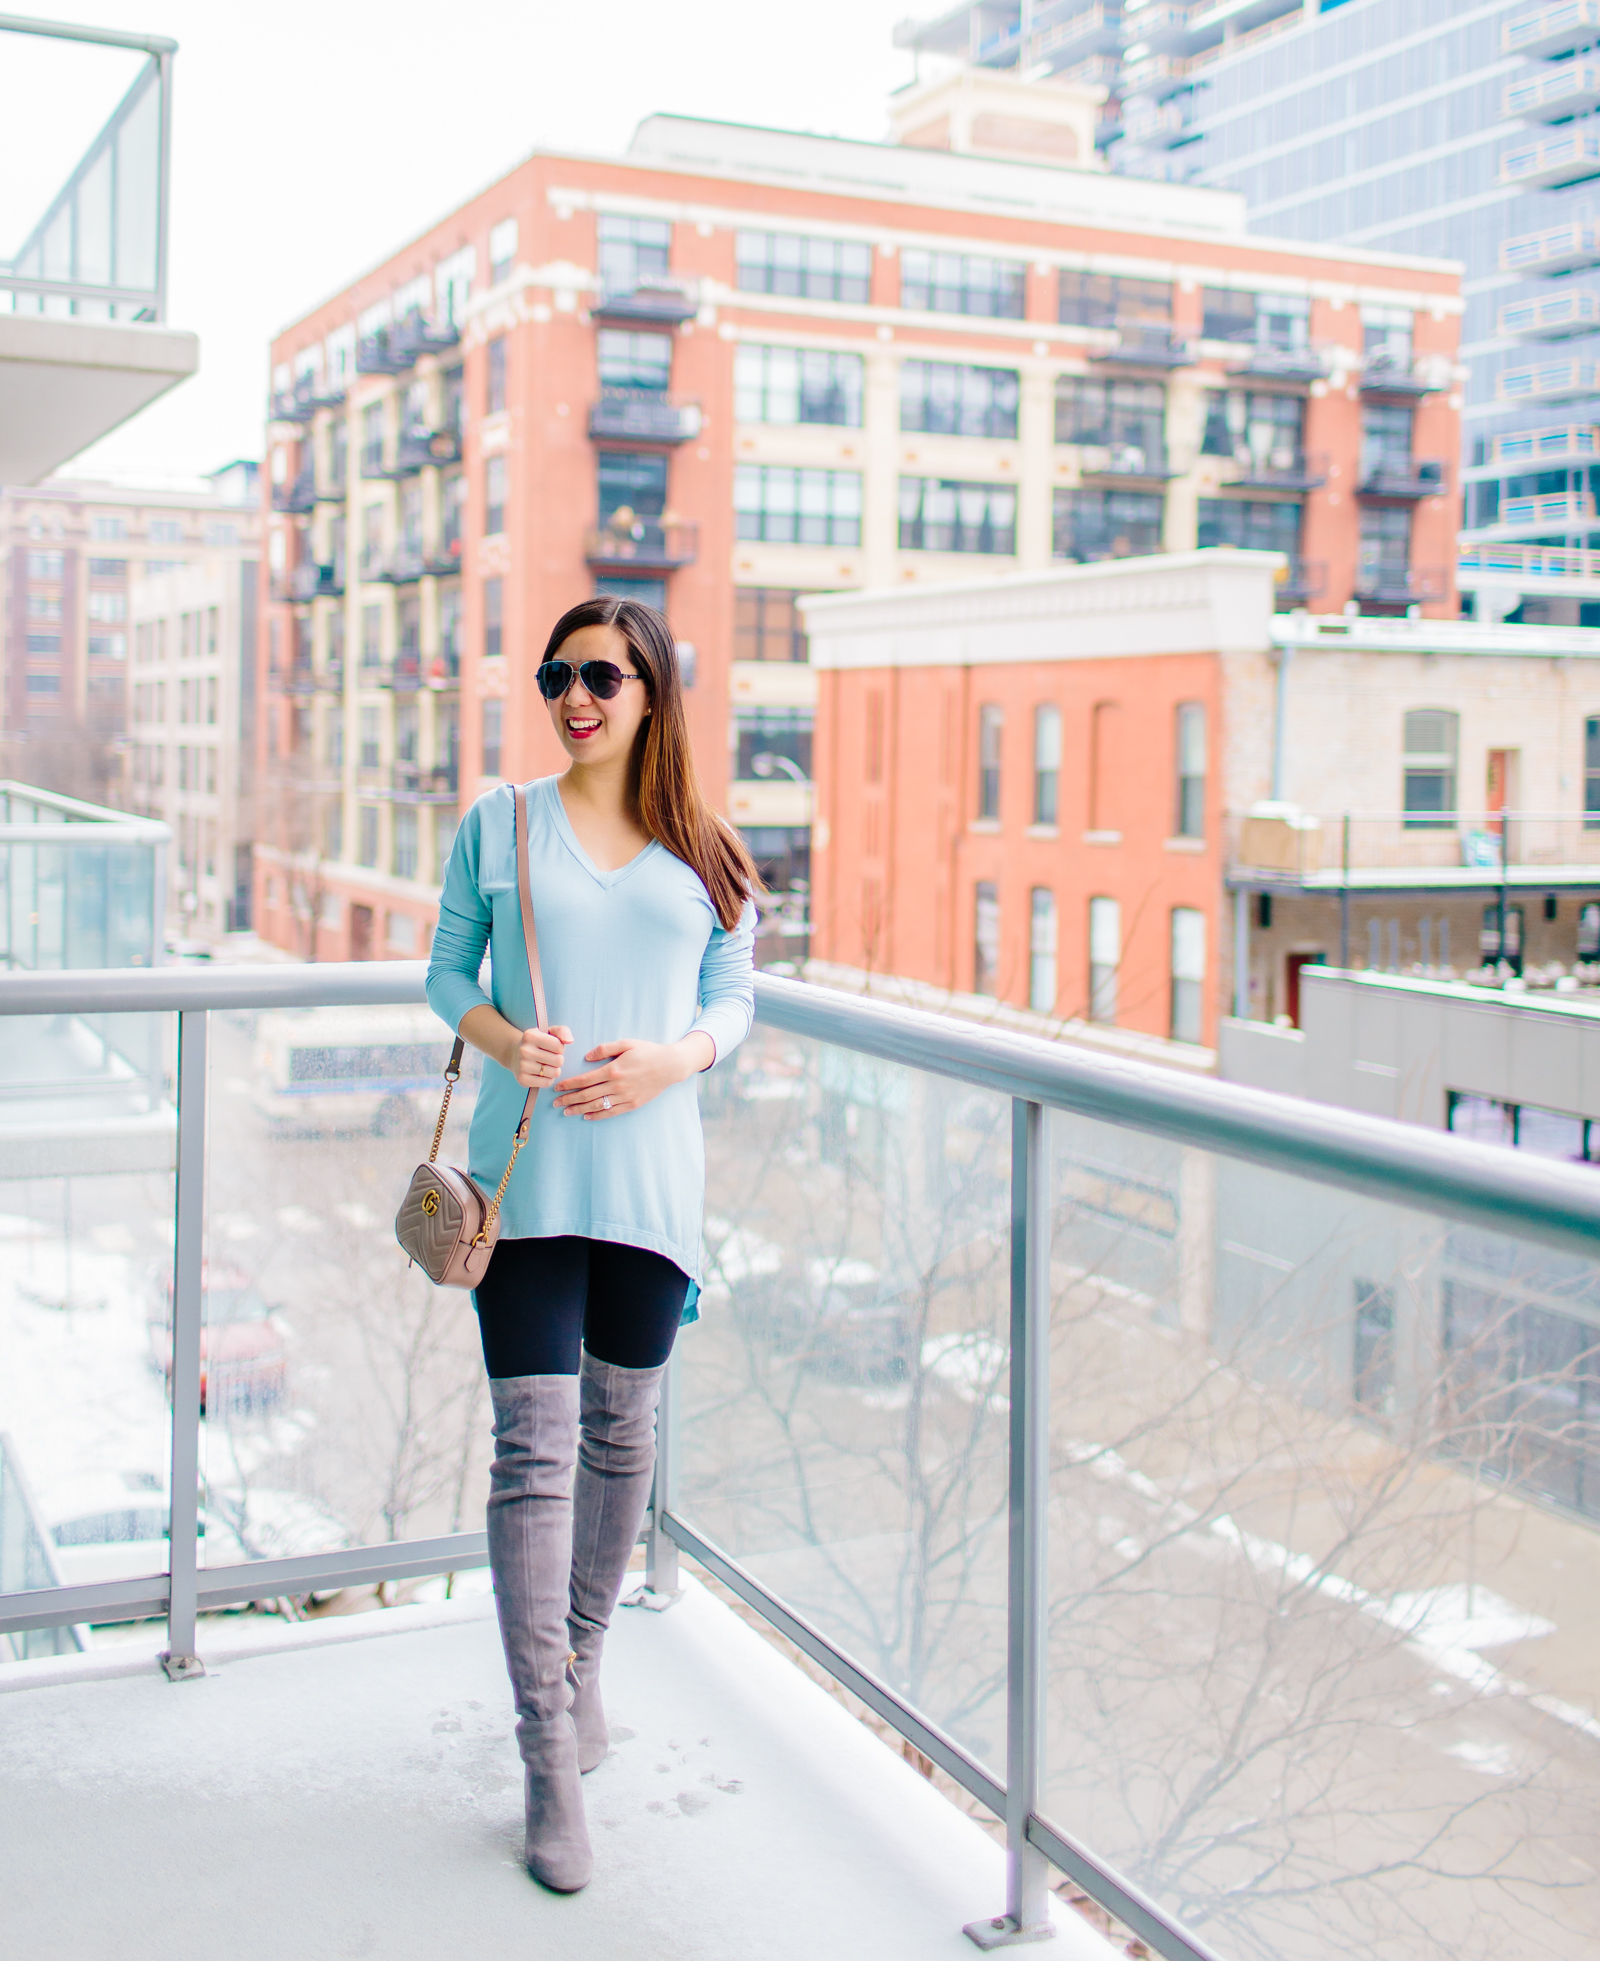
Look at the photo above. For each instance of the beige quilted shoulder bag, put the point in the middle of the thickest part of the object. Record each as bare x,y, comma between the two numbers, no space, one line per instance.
446,1225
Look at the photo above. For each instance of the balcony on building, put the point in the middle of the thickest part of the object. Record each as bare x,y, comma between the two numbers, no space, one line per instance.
656,300
1558,29
1264,361
1143,344
300,676
1088,32
403,675
329,677
1547,571
298,402
1410,477
312,580
298,497
1160,125
1552,316
1549,162
1550,95
1562,248
1383,581
84,342
1132,464
1302,579
422,448
1159,29
402,567
1551,381
416,334
642,415
385,351
443,559
1282,468
415,783
1565,446
647,544
1392,371
1562,511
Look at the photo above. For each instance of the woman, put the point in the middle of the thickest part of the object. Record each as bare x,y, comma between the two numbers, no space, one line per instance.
646,926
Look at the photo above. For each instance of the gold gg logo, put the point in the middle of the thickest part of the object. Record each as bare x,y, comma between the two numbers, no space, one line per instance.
430,1203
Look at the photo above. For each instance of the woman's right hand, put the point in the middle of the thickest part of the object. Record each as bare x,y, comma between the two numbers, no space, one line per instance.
535,1058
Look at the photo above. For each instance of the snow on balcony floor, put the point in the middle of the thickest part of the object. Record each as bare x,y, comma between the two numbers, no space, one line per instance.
351,1787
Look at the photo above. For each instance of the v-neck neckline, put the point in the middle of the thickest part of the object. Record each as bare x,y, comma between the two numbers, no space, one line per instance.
575,844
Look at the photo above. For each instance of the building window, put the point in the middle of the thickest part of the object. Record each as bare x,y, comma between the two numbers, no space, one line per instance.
372,420
1386,335
766,624
986,937
45,565
1588,943
495,392
804,268
874,735
338,455
371,636
48,644
1127,417
502,251
793,384
108,530
493,725
373,533
632,252
939,398
786,506
1431,739
1591,773
494,496
1088,525
1188,973
1042,951
1385,440
649,592
404,827
1105,957
108,646
640,363
335,741
1046,764
1191,746
108,606
44,684
108,568
957,282
165,531
937,515
1249,525
407,732
634,481
1096,299
1227,315
43,606
493,619
1383,563
368,852
991,727
772,743
1254,427
371,738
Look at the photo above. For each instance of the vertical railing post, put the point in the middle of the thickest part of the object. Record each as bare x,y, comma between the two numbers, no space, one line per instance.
661,1555
164,186
1027,1914
180,1660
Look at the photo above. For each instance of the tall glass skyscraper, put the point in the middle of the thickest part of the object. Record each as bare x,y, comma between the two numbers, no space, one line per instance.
1434,127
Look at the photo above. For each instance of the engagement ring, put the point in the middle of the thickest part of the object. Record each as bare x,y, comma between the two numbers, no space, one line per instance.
605,1103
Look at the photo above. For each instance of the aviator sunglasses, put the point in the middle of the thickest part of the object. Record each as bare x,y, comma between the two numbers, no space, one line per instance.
602,678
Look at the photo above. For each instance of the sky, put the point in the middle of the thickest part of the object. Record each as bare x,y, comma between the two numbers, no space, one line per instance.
310,140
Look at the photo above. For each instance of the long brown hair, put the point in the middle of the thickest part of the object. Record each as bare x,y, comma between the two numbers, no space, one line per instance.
672,806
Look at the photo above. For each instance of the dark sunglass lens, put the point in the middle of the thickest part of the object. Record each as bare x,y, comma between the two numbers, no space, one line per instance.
602,679
554,678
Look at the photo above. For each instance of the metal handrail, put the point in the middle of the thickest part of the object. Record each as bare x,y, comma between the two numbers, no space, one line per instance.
1444,1175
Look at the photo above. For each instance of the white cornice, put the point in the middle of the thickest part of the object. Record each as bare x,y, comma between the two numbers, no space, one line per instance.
1181,602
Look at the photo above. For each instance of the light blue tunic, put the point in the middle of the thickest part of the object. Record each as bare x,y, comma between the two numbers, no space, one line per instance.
636,952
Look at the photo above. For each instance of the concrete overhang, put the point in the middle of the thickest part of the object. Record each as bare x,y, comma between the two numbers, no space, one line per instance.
66,383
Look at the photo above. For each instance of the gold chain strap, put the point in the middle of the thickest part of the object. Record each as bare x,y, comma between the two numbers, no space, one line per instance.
451,1078
494,1203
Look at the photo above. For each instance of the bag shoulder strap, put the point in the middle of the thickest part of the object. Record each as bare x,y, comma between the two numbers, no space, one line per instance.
520,817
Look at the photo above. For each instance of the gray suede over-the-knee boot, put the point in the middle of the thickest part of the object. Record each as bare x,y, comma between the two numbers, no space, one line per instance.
616,1459
530,1552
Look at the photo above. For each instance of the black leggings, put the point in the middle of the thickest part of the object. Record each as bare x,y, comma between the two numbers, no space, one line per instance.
541,1301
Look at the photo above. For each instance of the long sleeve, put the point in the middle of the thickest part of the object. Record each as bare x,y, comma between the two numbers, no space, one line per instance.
727,987
462,934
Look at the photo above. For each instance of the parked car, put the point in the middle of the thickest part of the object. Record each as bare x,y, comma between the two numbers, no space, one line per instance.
243,1355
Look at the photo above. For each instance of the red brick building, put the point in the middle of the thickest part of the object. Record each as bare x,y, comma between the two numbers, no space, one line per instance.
737,366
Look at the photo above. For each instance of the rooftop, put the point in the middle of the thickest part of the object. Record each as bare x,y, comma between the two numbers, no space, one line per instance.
360,1779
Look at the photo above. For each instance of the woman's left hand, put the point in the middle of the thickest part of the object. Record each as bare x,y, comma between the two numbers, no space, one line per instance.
634,1074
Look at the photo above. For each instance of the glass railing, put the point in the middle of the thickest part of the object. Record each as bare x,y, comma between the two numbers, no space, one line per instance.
1206,1481
98,249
